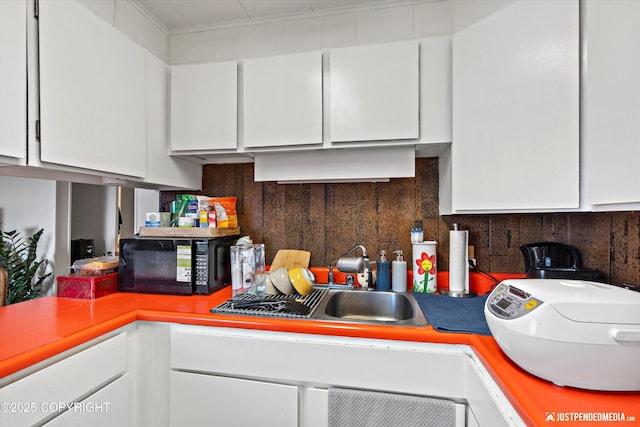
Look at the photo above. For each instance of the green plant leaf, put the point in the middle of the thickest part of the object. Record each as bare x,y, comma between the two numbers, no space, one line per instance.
25,271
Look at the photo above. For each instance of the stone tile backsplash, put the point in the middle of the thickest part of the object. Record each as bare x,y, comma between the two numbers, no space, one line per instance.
329,219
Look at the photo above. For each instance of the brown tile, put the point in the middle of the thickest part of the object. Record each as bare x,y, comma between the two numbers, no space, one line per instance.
625,248
328,219
315,235
499,235
555,228
250,205
429,188
273,212
590,235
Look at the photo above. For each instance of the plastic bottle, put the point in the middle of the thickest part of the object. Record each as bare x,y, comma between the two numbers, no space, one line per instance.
383,279
204,219
399,271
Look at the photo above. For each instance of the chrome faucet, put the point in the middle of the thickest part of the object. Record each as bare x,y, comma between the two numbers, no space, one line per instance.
353,265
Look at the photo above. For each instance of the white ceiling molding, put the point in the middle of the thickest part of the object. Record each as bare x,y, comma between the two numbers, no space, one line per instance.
185,16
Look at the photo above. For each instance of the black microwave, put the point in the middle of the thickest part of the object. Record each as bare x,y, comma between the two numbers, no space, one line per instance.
179,266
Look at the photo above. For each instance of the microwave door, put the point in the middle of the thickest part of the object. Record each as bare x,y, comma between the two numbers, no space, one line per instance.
156,266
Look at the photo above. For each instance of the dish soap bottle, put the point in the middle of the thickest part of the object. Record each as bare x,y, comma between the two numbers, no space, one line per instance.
399,269
383,279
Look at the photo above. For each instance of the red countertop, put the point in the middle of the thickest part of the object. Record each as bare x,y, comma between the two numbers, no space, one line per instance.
36,330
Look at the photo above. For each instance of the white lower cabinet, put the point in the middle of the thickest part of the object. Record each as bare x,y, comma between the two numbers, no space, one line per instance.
62,387
109,406
161,374
221,376
209,400
315,402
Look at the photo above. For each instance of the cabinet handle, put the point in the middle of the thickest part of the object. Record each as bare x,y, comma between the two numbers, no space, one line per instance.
626,335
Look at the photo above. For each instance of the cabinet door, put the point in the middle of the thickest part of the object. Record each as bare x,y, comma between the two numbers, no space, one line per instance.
435,89
282,100
205,400
40,395
612,102
13,79
92,92
516,109
374,92
161,167
316,407
204,112
108,407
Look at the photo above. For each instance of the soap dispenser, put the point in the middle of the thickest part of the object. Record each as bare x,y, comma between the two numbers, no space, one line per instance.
383,279
399,269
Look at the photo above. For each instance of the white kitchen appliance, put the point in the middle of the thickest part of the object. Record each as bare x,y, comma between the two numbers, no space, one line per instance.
571,332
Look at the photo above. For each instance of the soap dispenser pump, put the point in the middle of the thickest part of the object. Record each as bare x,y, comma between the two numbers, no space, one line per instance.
383,279
399,270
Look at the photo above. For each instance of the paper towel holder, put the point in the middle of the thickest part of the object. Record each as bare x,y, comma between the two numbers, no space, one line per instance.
458,294
462,293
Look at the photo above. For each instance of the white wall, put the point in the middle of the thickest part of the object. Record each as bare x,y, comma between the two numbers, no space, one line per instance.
94,215
145,201
316,31
28,205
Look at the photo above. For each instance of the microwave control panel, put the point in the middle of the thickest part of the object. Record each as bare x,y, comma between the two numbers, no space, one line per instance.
201,263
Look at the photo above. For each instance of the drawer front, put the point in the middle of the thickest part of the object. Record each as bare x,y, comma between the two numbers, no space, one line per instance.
207,400
108,407
42,394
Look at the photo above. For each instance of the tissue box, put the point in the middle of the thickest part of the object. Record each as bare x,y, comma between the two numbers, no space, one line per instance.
87,287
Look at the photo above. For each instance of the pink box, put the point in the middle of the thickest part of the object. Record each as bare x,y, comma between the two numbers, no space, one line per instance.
87,287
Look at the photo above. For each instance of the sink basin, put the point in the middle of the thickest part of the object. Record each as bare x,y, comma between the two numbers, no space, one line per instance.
360,306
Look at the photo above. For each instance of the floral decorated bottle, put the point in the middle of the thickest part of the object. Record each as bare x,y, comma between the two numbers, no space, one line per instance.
424,267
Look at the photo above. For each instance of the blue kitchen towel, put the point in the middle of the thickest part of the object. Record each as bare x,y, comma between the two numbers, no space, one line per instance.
449,314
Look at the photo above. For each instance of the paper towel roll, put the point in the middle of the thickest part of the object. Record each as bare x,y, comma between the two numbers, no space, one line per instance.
458,261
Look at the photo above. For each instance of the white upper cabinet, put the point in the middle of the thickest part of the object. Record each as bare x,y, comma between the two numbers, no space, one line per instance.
374,92
13,80
282,100
516,109
435,89
162,168
204,107
92,92
611,142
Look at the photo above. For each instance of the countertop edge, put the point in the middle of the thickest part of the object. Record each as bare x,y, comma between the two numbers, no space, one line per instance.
29,358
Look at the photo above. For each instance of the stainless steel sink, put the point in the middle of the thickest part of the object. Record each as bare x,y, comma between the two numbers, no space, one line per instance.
378,307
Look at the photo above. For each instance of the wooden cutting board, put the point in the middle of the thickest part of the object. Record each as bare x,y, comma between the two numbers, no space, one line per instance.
291,258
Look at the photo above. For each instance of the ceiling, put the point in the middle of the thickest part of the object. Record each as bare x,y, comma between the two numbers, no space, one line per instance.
186,14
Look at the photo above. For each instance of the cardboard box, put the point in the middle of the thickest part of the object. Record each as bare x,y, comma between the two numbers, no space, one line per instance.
87,287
